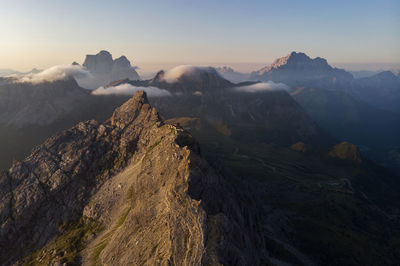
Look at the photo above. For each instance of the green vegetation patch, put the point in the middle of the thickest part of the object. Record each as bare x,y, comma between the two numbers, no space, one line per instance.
67,247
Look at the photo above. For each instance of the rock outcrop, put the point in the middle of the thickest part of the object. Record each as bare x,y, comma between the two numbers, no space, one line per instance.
346,151
299,146
130,190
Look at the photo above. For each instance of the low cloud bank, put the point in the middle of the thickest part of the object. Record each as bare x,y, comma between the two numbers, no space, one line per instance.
128,89
264,86
55,73
175,73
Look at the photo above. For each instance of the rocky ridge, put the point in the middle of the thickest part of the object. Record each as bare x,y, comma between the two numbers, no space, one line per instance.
130,190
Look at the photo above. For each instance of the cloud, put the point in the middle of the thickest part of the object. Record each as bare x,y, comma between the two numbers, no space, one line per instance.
54,73
263,86
175,73
128,89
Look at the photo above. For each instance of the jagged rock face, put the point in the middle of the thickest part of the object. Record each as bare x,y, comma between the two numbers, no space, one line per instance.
139,185
105,69
24,104
299,69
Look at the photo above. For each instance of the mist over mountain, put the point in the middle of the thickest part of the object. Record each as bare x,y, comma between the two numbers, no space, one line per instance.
185,80
249,110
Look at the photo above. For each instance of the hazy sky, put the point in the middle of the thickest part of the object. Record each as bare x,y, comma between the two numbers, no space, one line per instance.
41,33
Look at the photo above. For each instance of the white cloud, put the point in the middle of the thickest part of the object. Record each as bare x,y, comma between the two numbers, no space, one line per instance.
175,73
128,89
54,73
263,86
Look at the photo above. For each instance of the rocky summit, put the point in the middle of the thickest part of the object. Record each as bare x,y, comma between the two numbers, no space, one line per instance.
298,69
129,191
105,69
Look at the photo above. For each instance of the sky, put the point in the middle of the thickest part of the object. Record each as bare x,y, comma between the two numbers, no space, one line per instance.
157,34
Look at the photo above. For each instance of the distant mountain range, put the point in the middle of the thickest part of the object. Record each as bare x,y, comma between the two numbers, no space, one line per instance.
266,115
11,72
271,116
232,75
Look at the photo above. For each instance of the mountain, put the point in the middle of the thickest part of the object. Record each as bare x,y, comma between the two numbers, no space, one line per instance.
136,190
362,73
232,75
30,113
381,90
33,112
298,69
270,116
374,130
187,80
105,70
8,72
131,190
11,72
39,104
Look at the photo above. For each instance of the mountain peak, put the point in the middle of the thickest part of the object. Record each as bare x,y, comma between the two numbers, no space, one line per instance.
104,53
122,62
188,79
137,109
297,58
299,69
106,70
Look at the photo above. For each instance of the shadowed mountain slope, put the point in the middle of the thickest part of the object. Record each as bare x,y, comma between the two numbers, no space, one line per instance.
130,190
